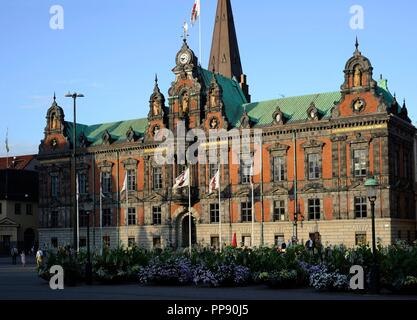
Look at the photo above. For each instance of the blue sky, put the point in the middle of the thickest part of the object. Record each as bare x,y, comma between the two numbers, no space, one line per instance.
110,51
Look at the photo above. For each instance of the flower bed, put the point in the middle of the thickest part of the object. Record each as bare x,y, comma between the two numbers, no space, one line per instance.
325,270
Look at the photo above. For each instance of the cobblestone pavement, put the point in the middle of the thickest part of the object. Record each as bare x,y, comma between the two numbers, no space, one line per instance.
22,283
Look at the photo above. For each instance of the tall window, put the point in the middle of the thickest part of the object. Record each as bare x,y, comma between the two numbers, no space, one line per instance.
157,178
214,213
54,219
361,210
84,219
360,163
157,215
314,166
17,209
54,186
279,210
106,184
398,211
82,183
107,218
245,171
408,171
131,217
246,211
314,209
397,162
279,169
131,180
29,210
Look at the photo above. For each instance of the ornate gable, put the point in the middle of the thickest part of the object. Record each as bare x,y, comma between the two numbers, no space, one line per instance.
359,92
214,111
55,138
157,117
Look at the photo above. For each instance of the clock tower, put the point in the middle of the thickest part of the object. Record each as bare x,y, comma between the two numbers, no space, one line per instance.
185,94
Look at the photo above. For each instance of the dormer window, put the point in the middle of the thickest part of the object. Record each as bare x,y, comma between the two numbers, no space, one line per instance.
278,116
312,112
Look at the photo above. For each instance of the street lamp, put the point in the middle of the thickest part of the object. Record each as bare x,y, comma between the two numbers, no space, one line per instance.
372,188
74,96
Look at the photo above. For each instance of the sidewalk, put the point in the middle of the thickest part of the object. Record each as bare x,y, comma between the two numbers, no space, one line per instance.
6,262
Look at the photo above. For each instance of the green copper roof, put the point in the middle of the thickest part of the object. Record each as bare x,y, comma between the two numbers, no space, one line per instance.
294,109
117,130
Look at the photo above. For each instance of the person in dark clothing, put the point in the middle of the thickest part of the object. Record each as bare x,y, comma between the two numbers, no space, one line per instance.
14,254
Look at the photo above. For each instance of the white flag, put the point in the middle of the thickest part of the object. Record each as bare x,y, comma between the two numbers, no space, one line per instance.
183,180
78,187
195,13
124,184
215,182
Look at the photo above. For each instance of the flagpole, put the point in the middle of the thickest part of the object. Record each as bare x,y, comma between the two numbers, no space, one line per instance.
127,212
101,213
199,36
220,213
189,211
78,214
261,186
253,213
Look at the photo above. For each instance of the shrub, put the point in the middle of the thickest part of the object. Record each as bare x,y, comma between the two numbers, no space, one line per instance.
284,279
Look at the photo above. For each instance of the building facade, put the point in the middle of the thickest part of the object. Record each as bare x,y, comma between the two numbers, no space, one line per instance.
18,204
317,151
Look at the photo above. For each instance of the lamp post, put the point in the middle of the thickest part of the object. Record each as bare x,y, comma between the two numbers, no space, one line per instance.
74,96
372,186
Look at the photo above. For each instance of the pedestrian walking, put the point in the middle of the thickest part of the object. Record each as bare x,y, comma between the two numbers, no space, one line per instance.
39,258
23,258
14,254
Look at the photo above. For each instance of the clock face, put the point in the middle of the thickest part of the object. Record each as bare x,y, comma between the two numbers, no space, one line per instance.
185,58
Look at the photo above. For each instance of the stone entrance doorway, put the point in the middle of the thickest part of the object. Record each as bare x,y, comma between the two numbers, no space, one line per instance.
184,231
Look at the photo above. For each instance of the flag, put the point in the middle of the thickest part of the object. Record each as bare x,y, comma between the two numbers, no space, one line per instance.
183,180
124,184
234,241
78,187
195,13
215,182
7,141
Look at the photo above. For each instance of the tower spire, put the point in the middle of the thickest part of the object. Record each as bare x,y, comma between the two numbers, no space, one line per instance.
224,54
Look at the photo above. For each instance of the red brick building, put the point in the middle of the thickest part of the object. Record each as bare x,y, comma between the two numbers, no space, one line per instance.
317,152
